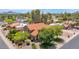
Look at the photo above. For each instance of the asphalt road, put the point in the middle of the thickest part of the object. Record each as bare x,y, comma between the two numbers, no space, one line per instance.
2,44
73,44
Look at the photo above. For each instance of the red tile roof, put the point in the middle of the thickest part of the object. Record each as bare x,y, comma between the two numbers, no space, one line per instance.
34,33
14,24
36,27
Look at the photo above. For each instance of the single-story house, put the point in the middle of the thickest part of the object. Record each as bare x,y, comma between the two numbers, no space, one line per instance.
67,24
17,25
20,20
13,25
35,28
21,25
54,18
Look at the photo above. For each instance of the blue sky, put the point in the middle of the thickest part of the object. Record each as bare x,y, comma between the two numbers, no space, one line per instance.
42,10
60,10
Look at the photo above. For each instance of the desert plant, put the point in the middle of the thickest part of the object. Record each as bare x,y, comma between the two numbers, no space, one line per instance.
34,46
27,42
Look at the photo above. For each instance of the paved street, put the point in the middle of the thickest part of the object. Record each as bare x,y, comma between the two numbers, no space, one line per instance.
2,44
73,44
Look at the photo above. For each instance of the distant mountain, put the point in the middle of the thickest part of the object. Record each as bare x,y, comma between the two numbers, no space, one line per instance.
9,12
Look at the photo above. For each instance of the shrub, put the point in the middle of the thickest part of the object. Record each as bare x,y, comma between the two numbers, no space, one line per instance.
5,29
34,46
19,47
3,25
46,45
13,31
28,42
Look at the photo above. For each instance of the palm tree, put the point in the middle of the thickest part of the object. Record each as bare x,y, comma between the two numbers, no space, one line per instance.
36,15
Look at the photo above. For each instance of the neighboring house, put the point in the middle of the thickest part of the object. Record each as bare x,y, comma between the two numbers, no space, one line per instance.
21,25
17,25
20,20
67,24
35,28
55,24
54,18
77,20
13,25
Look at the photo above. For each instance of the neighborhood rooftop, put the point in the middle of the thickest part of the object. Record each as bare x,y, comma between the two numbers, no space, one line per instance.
36,27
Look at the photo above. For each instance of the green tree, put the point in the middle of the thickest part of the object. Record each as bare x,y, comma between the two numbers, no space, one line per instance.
20,36
49,19
8,20
28,14
36,15
17,36
44,18
49,35
13,31
57,30
11,34
67,16
75,24
29,20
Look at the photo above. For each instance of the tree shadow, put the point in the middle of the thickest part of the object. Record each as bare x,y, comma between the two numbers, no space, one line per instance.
47,46
59,40
53,47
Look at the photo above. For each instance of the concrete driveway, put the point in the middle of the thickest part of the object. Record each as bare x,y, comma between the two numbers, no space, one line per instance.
73,44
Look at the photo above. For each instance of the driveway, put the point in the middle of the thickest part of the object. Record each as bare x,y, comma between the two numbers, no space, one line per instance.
2,44
73,44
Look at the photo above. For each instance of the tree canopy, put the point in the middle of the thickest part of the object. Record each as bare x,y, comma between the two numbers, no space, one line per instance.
49,35
8,20
19,36
36,15
29,20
